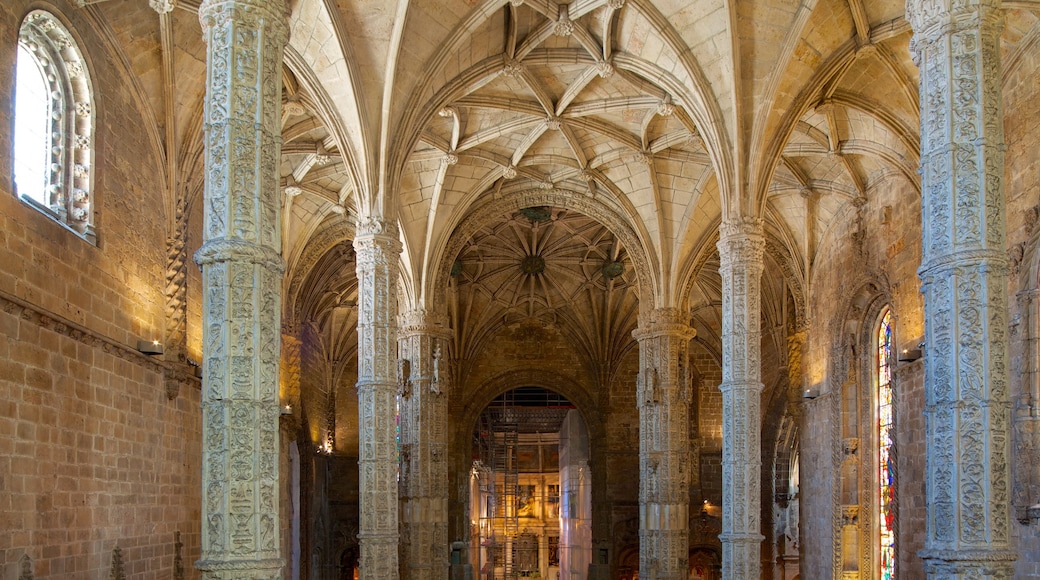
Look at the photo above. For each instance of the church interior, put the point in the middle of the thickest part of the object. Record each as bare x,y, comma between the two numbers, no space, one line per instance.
501,289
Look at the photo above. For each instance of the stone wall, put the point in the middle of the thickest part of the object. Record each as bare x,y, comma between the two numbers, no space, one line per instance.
93,455
869,259
1022,188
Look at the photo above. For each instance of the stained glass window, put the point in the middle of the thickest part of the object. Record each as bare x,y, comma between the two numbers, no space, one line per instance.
886,442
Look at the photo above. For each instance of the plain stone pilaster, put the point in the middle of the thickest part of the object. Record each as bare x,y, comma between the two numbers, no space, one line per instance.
741,246
242,280
964,280
425,382
378,250
664,395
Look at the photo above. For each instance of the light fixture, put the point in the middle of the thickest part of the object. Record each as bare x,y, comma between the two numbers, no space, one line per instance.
910,354
811,393
287,409
149,347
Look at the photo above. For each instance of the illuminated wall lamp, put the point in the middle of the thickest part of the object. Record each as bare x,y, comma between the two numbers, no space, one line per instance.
149,347
911,354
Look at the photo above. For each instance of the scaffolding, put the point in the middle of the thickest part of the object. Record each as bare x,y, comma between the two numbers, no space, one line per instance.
500,520
516,500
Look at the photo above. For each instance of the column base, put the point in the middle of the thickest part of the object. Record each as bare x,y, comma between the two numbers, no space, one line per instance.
741,555
953,564
269,569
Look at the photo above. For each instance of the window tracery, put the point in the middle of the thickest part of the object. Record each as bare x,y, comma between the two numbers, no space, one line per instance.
54,119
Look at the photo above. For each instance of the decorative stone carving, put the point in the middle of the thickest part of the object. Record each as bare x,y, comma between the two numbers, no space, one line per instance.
378,249
242,281
665,108
178,561
163,6
563,25
117,572
25,568
741,247
664,444
512,68
964,280
423,340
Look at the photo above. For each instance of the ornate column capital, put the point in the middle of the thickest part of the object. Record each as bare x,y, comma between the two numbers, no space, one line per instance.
741,241
928,17
665,322
423,321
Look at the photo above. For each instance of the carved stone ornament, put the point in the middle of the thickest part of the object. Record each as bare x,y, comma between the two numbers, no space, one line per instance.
424,434
741,247
378,248
512,68
563,25
964,281
25,569
664,335
242,280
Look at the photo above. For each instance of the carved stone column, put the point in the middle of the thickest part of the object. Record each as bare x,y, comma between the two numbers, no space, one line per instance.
664,395
378,249
741,246
425,384
964,280
242,281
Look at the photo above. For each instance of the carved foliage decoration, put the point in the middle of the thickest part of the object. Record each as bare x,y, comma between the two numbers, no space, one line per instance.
965,281
242,288
741,247
377,247
664,447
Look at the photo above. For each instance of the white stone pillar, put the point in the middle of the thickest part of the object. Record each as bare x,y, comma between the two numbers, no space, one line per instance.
242,281
575,548
741,246
425,384
664,392
378,250
964,280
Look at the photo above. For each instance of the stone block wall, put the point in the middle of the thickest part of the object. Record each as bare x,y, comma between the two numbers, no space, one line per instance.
1022,189
93,454
869,260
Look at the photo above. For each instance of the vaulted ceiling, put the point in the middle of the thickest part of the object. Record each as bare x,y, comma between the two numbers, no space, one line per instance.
635,125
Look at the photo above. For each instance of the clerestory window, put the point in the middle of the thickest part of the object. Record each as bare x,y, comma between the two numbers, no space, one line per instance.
54,122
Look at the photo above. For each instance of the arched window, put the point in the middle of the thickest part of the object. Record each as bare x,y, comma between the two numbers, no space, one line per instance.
885,450
53,124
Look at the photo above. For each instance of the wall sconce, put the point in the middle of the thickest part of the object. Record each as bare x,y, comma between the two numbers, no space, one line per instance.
149,347
811,393
911,354
287,409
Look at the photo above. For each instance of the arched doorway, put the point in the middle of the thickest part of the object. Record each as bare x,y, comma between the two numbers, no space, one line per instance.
530,488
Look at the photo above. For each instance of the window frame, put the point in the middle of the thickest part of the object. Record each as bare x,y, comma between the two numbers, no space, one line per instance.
68,187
